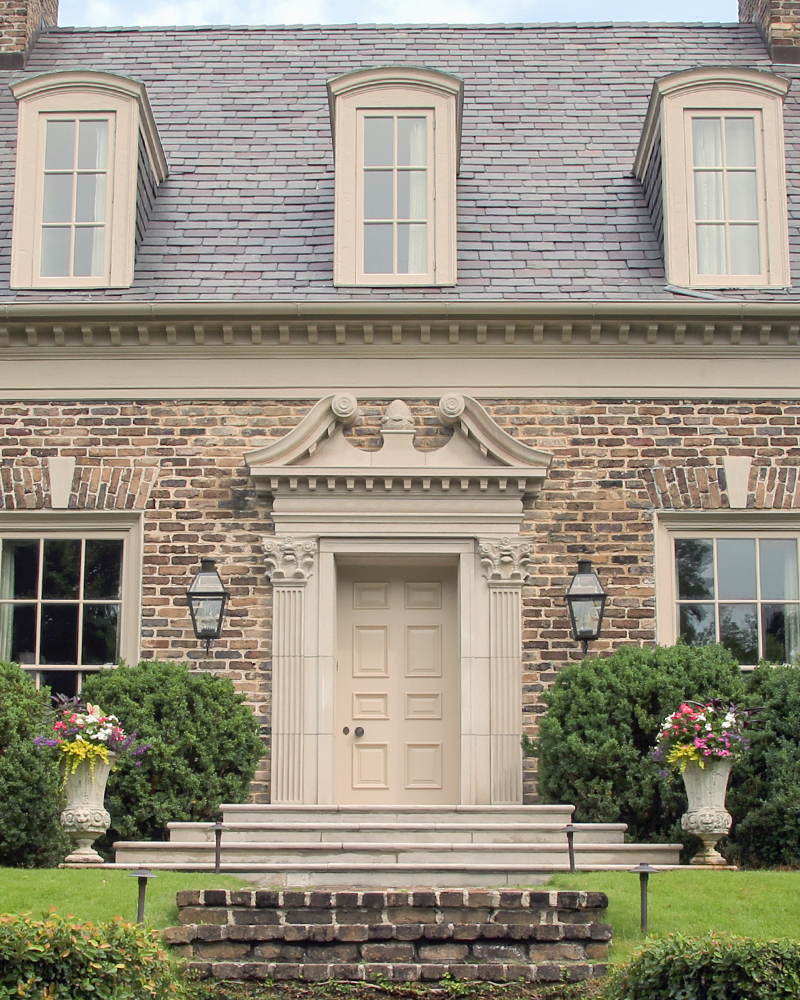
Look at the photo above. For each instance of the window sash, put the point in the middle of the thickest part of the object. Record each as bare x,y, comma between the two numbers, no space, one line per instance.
82,603
398,243
81,246
726,195
721,614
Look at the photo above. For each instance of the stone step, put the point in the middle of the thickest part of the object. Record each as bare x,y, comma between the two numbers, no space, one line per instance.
251,812
384,863
412,831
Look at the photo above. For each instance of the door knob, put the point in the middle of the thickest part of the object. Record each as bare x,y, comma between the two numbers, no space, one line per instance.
359,730
346,730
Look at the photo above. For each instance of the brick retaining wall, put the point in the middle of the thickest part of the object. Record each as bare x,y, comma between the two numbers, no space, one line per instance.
494,935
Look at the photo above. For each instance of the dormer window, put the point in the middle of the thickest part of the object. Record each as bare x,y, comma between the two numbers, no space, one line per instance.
88,163
711,160
396,135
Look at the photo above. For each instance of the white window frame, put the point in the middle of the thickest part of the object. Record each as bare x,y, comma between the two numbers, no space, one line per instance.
396,90
675,100
85,94
716,524
18,526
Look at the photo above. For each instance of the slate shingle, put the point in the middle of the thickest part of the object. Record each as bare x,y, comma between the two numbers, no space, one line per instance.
547,206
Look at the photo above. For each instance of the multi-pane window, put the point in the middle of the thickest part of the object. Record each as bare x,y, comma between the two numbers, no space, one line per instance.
60,606
741,591
74,197
728,197
396,193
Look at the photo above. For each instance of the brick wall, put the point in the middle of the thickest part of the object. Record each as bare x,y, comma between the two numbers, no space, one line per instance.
613,464
20,21
778,21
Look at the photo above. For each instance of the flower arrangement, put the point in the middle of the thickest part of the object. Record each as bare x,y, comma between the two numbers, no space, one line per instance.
84,732
698,731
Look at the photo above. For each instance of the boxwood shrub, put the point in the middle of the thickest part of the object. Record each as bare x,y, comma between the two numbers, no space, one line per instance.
713,967
602,718
764,797
204,747
58,959
30,833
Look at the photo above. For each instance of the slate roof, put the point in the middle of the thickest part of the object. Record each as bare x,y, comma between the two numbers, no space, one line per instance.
547,204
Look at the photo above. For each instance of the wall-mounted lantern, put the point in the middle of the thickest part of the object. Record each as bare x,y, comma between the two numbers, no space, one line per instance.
586,601
207,597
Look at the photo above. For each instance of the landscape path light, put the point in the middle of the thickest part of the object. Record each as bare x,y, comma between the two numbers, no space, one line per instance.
586,601
644,871
207,597
218,827
143,874
570,829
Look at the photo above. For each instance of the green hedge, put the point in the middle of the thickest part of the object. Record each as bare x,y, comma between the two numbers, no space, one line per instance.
204,747
603,716
30,833
764,796
710,968
57,959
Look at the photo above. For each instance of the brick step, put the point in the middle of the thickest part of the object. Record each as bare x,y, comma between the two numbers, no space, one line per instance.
493,935
412,831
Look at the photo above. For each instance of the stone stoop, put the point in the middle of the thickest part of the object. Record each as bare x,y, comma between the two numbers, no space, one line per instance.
423,934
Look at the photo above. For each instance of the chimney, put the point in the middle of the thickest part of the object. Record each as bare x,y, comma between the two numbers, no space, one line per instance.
778,21
20,23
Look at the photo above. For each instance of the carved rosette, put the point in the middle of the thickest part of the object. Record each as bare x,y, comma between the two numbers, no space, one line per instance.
707,817
505,561
85,817
288,559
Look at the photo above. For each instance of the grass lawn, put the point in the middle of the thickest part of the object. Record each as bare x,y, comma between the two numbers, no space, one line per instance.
100,895
757,904
754,904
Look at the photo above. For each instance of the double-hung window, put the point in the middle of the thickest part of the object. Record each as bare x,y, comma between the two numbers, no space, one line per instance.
89,161
68,596
75,197
397,192
727,193
711,161
396,133
739,587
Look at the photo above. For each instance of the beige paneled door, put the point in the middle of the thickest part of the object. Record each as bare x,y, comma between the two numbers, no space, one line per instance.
397,732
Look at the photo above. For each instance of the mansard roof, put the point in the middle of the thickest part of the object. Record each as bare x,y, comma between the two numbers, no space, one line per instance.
548,207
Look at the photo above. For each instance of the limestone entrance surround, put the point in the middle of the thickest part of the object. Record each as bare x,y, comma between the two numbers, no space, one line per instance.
336,503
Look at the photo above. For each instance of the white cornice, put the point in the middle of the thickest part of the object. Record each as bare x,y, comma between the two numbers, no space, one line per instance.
385,325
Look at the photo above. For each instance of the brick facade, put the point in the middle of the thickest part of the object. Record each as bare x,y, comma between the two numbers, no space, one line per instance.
613,464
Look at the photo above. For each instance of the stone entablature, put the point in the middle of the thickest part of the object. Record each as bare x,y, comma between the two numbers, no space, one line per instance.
494,935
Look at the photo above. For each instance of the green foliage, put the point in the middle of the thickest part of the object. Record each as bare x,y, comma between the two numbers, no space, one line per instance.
602,720
30,833
55,959
764,796
204,747
710,968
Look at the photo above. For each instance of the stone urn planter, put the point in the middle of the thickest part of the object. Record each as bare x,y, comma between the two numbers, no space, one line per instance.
85,817
707,817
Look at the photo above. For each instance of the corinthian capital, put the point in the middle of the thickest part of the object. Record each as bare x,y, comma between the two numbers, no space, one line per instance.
505,561
288,559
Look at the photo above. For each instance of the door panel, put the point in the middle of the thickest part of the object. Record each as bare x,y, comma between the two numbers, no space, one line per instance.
397,680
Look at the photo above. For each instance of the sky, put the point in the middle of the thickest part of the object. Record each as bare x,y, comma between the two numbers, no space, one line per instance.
154,12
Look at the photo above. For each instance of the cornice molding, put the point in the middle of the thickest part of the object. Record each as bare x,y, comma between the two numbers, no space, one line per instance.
105,329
